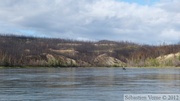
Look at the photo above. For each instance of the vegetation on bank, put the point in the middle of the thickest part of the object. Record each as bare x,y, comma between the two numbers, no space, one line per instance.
22,51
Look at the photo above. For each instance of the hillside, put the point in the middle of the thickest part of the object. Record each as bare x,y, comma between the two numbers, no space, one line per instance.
25,51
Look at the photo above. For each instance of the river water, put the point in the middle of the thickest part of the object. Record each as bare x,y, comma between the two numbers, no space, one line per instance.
85,84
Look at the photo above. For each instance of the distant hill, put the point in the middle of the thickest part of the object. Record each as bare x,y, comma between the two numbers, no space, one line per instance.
16,51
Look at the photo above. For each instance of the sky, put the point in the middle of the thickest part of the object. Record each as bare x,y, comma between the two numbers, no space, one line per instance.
139,21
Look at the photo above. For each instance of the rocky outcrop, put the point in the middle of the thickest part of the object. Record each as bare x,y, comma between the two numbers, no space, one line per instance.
105,60
101,60
58,60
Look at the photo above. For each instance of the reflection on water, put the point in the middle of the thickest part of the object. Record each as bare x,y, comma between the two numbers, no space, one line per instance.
85,84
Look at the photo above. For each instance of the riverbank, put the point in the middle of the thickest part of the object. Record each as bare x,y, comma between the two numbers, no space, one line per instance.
2,67
22,51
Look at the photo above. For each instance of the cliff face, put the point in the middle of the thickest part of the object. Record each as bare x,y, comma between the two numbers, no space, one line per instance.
101,60
30,51
105,60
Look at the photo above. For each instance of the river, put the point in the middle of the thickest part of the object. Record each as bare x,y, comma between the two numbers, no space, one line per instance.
85,84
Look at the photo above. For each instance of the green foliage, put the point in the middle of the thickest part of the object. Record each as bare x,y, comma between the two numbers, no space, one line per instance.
152,62
56,63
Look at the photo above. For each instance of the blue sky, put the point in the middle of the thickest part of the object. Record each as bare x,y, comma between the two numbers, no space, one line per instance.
141,2
140,21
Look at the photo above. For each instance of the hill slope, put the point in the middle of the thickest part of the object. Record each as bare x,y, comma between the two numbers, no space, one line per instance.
31,51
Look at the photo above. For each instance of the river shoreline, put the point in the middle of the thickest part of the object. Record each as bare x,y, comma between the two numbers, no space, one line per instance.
4,67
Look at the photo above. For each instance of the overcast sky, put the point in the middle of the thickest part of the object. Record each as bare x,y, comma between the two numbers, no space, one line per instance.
140,21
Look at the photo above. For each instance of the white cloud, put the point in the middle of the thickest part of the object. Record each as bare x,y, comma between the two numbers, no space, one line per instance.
170,33
93,19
